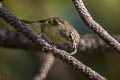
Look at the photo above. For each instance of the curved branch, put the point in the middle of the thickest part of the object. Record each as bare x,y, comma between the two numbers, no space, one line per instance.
40,43
102,33
45,65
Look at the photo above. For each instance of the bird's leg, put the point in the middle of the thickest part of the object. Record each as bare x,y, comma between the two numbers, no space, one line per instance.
54,45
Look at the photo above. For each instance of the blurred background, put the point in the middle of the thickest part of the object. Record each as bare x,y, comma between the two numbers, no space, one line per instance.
21,65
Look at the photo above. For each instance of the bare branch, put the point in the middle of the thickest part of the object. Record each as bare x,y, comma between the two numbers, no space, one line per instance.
20,27
45,65
102,33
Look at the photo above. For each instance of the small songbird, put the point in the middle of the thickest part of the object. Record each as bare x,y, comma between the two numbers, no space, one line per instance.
57,30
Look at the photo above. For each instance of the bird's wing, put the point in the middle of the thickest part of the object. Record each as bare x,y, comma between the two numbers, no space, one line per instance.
34,25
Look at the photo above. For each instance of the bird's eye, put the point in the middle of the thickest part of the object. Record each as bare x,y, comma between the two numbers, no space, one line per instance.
71,36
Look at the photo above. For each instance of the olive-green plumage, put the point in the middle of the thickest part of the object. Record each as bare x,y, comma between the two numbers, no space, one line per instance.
57,30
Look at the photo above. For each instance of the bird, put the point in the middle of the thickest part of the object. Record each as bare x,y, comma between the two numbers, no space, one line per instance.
57,30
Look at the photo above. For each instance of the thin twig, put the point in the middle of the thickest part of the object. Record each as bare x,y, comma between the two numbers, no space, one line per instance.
45,65
102,33
20,27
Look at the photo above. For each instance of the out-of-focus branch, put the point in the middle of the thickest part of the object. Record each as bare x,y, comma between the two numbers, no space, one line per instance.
88,43
101,32
1,0
45,65
40,43
13,39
